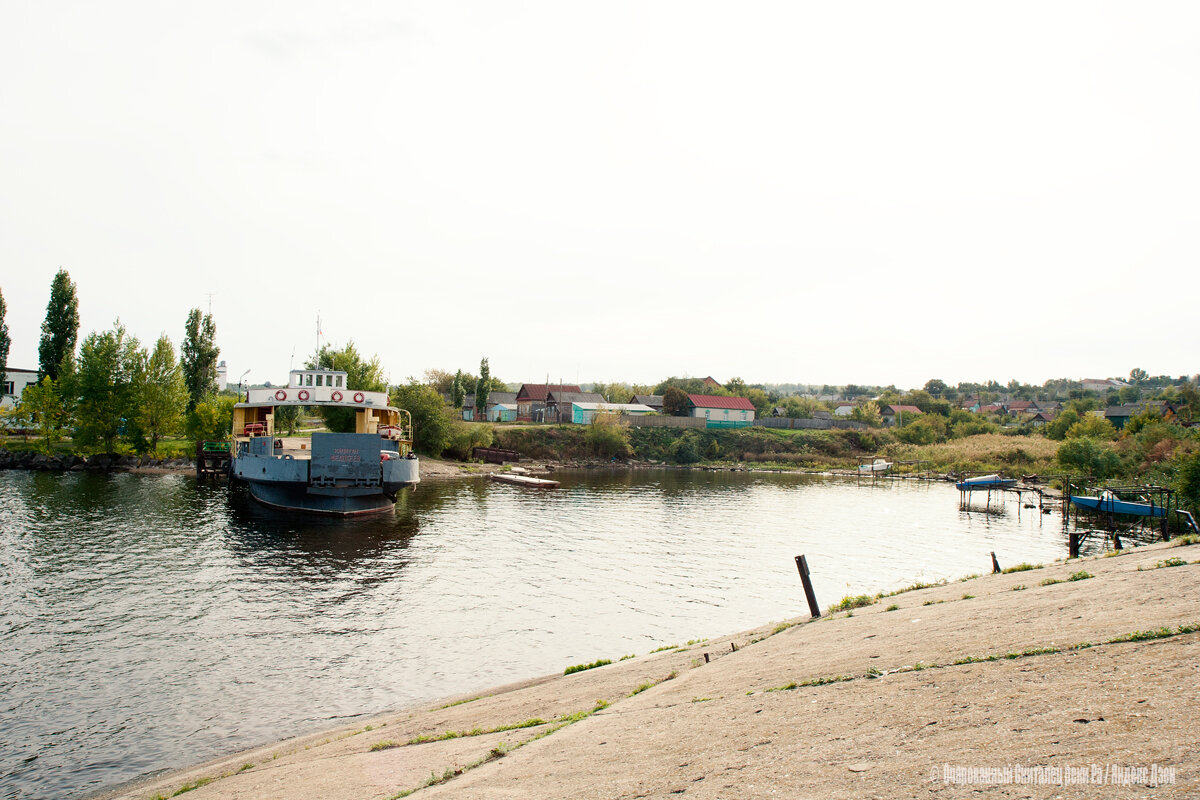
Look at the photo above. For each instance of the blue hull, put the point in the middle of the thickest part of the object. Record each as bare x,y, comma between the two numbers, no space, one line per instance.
975,485
1109,506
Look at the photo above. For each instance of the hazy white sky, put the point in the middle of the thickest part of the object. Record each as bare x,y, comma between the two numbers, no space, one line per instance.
833,192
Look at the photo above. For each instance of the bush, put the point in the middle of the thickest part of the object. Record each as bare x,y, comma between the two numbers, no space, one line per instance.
608,437
687,449
211,419
1088,456
465,437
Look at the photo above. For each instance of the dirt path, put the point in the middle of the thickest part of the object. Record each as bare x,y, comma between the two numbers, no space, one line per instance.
868,704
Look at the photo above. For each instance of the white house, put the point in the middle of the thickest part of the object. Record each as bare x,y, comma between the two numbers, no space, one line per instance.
1102,384
721,412
15,381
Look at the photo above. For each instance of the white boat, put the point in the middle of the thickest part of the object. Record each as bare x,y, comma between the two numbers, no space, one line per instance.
879,465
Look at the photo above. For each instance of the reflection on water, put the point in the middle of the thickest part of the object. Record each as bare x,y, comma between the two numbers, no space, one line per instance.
146,622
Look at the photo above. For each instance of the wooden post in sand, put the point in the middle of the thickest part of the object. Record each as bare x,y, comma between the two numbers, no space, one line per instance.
802,566
995,564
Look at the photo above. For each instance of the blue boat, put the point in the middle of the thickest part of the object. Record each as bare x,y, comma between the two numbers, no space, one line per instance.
332,473
1109,503
984,482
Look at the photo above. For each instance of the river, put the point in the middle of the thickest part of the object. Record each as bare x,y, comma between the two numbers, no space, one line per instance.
147,622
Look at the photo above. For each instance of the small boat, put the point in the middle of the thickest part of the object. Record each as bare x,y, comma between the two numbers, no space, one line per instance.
879,465
984,482
1109,503
527,481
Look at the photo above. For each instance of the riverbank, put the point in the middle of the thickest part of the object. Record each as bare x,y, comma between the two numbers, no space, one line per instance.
1089,664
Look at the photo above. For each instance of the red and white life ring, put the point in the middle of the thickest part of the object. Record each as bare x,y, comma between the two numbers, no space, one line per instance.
336,396
358,397
302,394
281,395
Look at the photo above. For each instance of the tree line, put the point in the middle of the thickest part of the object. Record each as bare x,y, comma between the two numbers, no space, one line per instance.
110,390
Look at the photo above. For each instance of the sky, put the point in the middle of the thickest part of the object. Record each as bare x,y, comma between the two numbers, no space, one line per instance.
877,193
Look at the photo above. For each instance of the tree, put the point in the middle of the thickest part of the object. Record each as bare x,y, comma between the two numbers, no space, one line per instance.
761,400
430,416
1057,428
198,357
44,404
440,380
287,418
868,413
936,387
211,419
1188,480
361,376
675,401
1091,425
106,386
60,330
162,397
482,388
4,340
1088,456
736,387
458,391
1138,376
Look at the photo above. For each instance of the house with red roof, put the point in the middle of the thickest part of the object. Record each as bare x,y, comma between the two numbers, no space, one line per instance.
894,415
721,412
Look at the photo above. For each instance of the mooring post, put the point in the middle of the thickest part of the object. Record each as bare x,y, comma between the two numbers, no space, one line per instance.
1073,544
802,567
995,564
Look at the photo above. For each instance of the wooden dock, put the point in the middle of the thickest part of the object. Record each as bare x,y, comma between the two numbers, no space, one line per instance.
213,460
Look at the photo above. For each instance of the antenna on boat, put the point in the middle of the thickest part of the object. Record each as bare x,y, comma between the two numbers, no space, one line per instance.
210,297
318,330
292,360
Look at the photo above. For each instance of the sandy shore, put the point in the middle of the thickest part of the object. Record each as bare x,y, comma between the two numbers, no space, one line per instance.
868,704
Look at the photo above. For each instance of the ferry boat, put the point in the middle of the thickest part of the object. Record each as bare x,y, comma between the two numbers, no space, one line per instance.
332,473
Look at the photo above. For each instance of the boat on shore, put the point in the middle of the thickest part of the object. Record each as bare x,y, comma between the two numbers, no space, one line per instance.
341,474
985,482
1109,503
878,465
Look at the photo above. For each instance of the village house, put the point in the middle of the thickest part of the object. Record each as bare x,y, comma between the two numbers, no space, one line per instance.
582,413
721,412
558,403
1119,415
15,381
508,399
531,399
894,415
843,409
652,400
1102,385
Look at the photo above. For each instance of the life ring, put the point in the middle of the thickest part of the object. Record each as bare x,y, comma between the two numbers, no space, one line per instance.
336,396
358,397
302,394
281,395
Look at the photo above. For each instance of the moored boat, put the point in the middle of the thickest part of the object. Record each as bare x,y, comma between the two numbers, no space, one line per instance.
332,473
1109,503
985,482
878,465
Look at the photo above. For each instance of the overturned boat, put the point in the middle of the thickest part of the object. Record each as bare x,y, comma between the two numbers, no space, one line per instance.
332,473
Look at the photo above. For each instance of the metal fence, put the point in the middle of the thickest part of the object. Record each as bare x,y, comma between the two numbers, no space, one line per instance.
644,421
810,424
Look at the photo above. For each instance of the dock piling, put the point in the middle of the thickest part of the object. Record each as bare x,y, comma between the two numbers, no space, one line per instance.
995,564
802,567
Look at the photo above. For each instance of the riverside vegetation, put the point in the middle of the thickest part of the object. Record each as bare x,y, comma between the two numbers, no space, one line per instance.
115,396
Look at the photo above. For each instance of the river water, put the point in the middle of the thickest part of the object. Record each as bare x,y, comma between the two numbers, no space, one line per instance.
147,622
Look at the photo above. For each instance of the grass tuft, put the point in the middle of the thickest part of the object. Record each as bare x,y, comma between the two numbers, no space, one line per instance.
1082,575
581,667
1022,567
892,607
848,602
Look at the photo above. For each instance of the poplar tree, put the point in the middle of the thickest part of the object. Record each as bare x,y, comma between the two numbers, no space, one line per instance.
60,330
458,392
482,388
198,357
4,340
